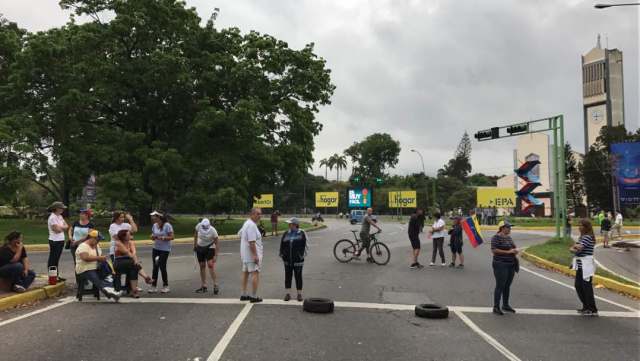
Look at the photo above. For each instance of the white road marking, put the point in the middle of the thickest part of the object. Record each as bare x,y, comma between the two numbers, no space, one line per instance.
62,302
492,341
228,336
366,305
571,287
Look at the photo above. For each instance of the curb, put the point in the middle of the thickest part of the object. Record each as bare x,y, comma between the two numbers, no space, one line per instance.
148,242
606,282
36,294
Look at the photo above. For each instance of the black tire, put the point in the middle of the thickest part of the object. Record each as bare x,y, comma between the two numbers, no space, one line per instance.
344,250
430,310
318,305
380,253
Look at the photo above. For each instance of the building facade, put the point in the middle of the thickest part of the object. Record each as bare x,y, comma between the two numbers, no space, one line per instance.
602,91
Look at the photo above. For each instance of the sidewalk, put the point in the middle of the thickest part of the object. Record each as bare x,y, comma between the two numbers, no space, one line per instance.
39,290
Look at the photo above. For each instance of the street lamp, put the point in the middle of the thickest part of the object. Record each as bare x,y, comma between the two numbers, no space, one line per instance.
604,6
425,175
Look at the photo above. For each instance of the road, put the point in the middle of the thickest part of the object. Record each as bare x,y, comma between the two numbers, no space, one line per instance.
183,325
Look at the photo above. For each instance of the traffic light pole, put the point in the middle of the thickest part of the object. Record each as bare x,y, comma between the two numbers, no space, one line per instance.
556,125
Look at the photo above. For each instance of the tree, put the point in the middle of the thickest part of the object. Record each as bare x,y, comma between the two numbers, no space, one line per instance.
339,162
373,155
460,165
464,198
574,183
325,163
482,180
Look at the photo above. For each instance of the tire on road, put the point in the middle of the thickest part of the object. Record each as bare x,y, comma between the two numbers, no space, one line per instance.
318,305
430,310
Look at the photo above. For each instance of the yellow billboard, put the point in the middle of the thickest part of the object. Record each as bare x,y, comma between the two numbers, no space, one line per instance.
327,199
496,197
403,199
264,201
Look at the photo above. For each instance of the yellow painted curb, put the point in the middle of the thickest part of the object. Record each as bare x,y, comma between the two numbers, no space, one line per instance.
37,294
148,242
606,282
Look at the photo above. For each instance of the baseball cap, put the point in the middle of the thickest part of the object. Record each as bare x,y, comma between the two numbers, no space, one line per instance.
88,211
504,224
155,213
205,223
293,220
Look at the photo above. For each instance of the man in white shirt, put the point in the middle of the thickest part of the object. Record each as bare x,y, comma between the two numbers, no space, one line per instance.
251,252
205,244
617,226
438,233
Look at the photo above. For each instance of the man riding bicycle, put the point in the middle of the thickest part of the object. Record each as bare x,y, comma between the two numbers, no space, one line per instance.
367,222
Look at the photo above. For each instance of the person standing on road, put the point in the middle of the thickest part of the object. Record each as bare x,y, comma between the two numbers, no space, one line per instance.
162,235
505,265
367,222
416,222
205,244
14,264
438,233
57,227
79,231
251,252
455,242
584,265
617,226
118,224
88,254
605,229
274,222
293,249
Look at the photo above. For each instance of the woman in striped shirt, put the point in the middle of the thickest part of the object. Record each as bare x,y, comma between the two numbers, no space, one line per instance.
584,265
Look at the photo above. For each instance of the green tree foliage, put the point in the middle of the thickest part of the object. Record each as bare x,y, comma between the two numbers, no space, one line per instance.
339,162
596,167
460,165
482,180
160,108
574,183
373,155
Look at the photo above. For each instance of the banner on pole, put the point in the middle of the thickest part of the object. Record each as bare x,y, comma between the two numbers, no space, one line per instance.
327,199
263,201
359,197
403,199
626,167
495,197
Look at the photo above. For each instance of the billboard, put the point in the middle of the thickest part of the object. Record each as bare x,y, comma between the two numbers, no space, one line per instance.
626,167
359,197
495,197
263,201
327,199
403,199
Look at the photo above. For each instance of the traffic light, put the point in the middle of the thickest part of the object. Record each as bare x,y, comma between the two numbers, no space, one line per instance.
356,179
520,128
378,181
492,133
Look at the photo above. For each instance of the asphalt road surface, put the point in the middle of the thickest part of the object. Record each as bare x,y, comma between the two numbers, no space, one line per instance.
373,319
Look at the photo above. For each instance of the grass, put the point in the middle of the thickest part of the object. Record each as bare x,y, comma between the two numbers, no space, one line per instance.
35,231
557,250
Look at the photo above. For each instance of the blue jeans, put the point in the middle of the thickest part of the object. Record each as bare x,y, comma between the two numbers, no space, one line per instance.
504,273
15,273
92,276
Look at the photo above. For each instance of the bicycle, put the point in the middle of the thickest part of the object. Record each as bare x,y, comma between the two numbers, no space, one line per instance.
345,250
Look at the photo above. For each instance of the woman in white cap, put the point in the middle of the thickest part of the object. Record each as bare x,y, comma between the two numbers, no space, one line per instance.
205,245
162,235
57,228
293,249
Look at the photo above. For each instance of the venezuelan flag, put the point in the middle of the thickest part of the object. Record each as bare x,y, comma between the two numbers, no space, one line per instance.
472,229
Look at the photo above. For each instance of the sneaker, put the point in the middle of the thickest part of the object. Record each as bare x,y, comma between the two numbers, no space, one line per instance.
498,311
245,298
18,289
414,266
165,289
590,313
153,290
443,264
60,279
460,265
216,290
201,290
255,299
508,308
581,311
287,297
432,264
452,264
139,289
299,298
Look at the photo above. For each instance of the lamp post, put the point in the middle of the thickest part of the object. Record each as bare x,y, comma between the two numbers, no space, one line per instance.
604,6
425,175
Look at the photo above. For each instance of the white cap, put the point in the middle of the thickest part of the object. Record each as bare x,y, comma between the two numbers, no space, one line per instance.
205,223
155,213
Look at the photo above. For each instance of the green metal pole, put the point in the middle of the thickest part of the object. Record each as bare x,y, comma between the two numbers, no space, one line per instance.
556,177
563,177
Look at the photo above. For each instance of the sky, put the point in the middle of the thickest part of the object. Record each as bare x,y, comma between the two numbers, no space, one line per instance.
427,71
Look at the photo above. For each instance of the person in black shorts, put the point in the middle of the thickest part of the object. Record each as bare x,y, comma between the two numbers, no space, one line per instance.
455,242
205,244
416,222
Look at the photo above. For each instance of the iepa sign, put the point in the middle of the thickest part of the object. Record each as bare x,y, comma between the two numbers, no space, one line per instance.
326,199
495,197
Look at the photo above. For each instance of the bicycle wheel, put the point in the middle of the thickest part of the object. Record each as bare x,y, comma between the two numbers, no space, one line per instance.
380,253
344,250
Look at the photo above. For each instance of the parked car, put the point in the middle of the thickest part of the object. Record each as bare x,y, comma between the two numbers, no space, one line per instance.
356,216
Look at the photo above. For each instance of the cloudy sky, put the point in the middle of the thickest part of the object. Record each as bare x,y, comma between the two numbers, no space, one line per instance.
426,71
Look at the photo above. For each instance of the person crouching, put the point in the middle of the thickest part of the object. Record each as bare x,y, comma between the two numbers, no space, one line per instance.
293,249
